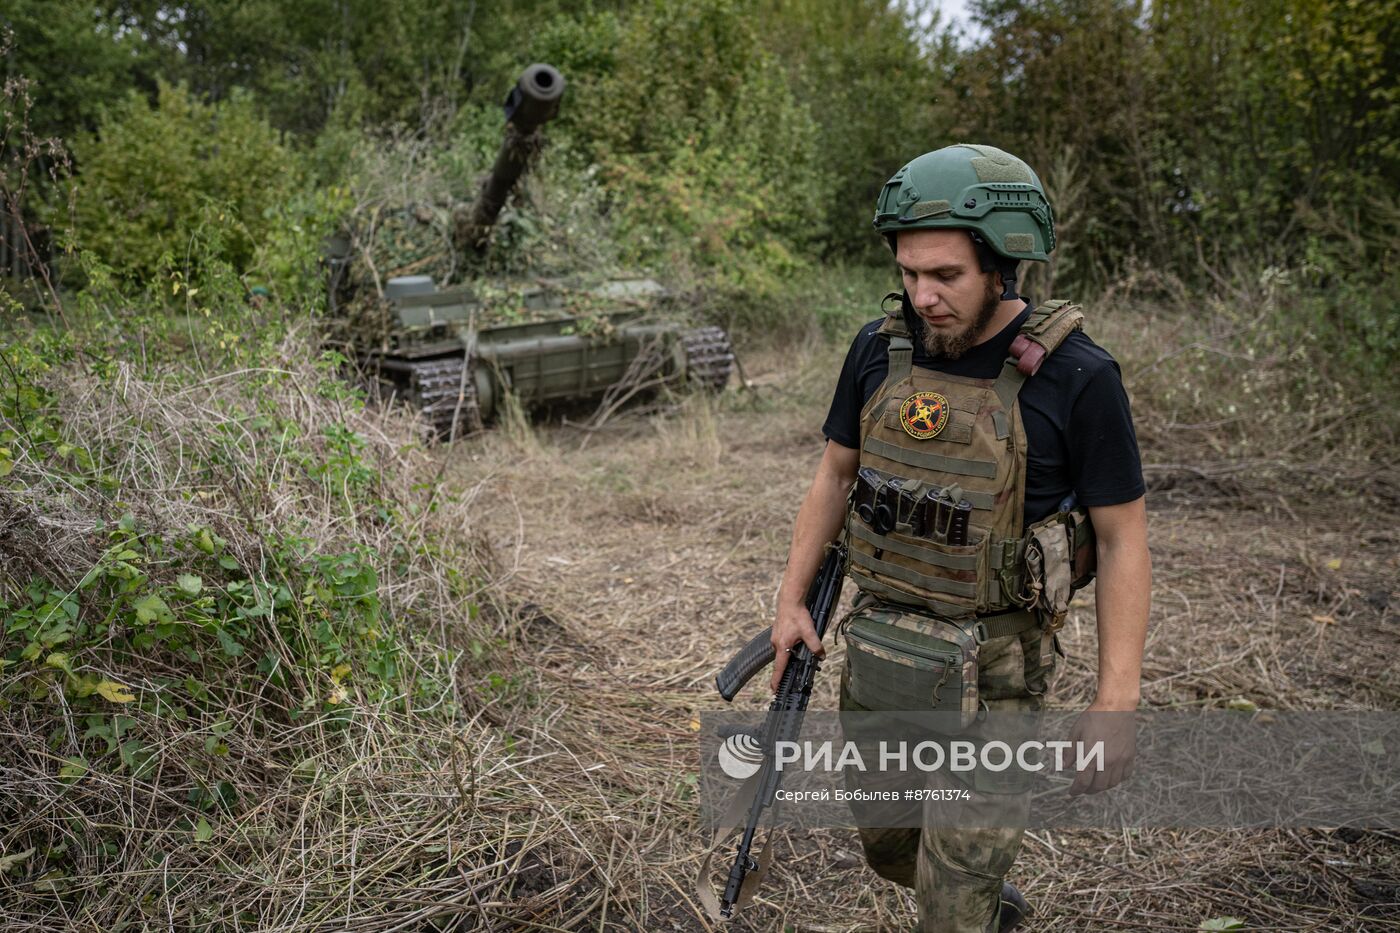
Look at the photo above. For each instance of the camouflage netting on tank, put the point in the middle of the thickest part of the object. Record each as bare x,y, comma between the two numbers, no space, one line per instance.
415,240
369,322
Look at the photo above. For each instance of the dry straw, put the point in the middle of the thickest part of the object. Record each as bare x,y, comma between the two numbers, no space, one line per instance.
637,553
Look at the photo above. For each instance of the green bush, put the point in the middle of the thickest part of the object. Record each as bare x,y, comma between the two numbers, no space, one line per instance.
1196,128
153,177
1344,287
713,164
220,594
154,582
875,85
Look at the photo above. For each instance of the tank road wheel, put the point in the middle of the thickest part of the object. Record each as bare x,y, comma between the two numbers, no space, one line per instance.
709,358
444,390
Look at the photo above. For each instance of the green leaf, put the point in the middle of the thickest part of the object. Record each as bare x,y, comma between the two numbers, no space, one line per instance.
51,882
73,768
56,635
1222,923
231,647
203,832
8,862
151,608
189,584
117,693
136,756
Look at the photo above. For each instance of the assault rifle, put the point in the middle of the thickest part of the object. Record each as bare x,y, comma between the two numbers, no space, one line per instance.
784,720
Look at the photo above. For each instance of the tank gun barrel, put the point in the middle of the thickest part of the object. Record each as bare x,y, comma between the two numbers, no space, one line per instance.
533,102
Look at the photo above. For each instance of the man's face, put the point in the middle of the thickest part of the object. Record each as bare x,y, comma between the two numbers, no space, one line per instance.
949,291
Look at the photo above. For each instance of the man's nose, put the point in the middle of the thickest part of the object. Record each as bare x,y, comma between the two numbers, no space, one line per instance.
925,295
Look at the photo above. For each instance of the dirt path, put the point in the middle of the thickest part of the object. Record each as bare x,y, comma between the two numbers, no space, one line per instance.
651,548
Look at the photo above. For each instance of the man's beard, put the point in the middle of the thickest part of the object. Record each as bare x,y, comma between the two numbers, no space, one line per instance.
953,346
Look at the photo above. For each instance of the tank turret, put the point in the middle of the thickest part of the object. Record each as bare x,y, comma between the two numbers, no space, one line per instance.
532,103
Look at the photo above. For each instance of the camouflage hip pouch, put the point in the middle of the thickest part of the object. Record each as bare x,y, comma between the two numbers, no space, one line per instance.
902,661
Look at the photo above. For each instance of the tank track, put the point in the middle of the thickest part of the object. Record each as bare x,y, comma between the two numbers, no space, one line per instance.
439,388
709,358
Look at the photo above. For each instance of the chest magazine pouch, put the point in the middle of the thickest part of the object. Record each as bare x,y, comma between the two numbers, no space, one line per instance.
896,564
904,661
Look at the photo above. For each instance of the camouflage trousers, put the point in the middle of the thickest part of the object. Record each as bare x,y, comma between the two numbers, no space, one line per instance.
956,871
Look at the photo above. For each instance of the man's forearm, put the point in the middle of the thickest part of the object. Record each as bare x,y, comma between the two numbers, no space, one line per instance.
818,521
1123,602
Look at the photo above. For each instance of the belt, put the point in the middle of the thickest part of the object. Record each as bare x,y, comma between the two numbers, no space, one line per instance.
1006,623
983,628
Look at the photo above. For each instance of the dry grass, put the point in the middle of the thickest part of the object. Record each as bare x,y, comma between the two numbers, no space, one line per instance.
637,555
651,548
358,804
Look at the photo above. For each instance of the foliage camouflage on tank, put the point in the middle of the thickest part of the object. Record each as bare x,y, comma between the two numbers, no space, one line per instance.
456,352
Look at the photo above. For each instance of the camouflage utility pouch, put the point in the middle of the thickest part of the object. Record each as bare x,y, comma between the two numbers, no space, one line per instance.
903,661
1082,548
1050,569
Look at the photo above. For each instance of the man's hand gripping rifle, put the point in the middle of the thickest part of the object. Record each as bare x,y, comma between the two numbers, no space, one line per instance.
784,721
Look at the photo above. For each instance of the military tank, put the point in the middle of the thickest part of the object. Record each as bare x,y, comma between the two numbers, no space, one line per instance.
446,351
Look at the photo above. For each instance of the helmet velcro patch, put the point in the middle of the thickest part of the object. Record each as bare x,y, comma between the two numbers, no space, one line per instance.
996,170
1019,242
928,208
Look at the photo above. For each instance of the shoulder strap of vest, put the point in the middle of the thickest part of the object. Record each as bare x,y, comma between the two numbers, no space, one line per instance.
901,345
1047,327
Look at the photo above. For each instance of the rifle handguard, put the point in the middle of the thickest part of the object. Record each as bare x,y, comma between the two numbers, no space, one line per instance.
751,659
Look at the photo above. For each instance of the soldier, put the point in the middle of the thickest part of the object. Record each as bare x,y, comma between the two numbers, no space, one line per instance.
964,387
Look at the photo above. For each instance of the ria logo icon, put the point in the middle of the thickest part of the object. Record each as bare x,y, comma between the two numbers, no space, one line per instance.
740,756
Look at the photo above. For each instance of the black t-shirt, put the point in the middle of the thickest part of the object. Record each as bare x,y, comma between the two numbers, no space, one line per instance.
1079,429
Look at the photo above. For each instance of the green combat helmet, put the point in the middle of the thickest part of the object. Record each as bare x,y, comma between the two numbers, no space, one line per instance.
991,193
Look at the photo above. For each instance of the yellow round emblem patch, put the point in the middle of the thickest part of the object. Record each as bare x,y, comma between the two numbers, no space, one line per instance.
924,414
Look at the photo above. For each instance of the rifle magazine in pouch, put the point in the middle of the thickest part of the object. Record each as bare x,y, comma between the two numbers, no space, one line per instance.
903,661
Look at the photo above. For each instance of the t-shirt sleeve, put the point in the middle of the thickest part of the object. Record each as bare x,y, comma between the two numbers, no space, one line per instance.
1104,459
842,423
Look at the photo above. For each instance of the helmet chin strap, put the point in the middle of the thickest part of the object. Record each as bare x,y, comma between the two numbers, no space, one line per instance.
991,261
1007,271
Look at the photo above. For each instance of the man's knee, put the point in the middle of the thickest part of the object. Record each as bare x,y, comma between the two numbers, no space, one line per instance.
960,872
892,853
